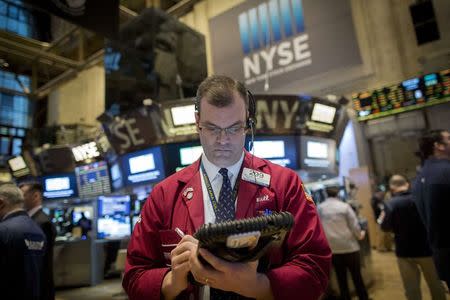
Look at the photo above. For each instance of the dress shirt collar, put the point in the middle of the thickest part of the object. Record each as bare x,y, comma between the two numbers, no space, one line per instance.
213,171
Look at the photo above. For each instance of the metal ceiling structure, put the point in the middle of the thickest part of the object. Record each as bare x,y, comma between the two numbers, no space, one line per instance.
50,64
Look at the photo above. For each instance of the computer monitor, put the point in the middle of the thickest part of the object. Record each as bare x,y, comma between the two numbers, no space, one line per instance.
145,166
18,166
183,115
113,217
59,186
78,210
323,113
280,150
317,154
93,179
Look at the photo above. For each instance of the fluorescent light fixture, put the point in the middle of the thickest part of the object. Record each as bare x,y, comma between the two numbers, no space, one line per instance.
141,163
316,150
269,149
183,115
190,154
323,113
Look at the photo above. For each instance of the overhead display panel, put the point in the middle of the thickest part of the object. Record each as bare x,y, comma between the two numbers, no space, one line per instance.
93,179
411,94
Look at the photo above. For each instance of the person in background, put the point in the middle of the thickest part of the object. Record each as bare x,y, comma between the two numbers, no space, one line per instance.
85,224
22,248
431,193
216,188
32,193
343,232
411,244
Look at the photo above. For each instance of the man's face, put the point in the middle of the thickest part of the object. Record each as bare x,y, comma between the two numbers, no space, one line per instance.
28,196
444,145
222,148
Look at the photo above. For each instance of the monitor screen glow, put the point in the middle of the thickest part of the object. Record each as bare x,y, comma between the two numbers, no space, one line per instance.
190,154
269,149
323,113
141,163
59,186
17,163
144,166
316,149
113,217
93,179
183,115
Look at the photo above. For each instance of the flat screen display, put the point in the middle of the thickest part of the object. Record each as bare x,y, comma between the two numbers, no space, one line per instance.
280,150
317,154
323,113
414,93
18,166
183,115
316,149
145,166
59,186
188,155
113,221
79,210
93,179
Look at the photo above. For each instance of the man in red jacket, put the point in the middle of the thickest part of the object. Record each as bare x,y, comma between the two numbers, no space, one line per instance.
159,260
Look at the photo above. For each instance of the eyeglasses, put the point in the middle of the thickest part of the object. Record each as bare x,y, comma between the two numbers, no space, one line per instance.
216,131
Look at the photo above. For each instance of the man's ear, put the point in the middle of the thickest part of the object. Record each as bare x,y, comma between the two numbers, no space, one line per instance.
197,120
2,203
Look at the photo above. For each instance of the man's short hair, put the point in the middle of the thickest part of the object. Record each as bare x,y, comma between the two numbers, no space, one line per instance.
426,143
33,186
11,194
398,180
332,191
219,90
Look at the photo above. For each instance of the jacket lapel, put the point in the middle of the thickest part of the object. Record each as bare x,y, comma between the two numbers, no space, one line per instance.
192,195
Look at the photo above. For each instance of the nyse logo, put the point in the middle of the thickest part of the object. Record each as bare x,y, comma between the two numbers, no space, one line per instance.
273,39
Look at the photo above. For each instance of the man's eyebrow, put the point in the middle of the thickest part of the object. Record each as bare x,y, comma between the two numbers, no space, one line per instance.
212,124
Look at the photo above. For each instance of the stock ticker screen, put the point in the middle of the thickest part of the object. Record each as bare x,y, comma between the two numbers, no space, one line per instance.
414,93
93,179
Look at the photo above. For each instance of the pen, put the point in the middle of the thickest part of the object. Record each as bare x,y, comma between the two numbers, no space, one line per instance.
179,232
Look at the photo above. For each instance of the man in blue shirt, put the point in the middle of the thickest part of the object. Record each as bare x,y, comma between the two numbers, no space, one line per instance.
431,193
22,246
411,244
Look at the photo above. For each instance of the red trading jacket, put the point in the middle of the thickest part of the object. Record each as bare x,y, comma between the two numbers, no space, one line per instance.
299,269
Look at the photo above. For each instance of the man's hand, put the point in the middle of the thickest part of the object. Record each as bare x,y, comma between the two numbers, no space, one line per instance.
240,278
176,280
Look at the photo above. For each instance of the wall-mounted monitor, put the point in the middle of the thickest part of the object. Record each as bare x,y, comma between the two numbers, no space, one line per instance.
93,179
60,186
183,115
145,166
113,217
280,150
181,155
317,154
323,113
18,166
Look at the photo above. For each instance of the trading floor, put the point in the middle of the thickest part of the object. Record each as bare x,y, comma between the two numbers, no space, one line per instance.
387,284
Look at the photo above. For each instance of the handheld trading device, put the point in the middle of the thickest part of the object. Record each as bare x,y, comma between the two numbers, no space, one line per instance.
245,239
